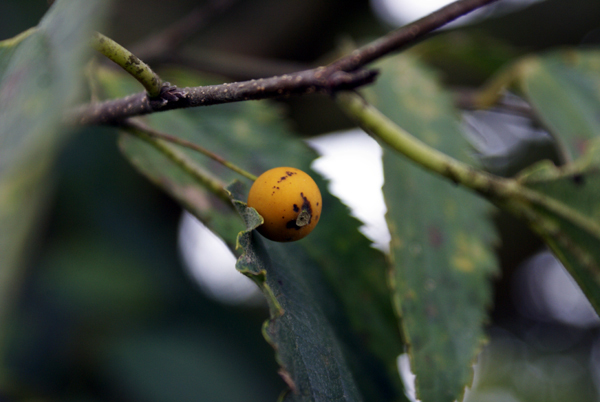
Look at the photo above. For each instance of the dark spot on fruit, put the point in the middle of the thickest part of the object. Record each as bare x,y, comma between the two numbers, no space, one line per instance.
296,209
291,224
288,174
306,206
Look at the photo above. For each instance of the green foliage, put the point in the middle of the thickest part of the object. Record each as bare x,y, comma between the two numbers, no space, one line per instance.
40,77
441,237
340,311
348,268
563,88
312,363
569,219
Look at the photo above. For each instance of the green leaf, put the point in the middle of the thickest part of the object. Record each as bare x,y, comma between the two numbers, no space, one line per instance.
79,272
9,46
312,362
564,89
41,71
466,58
352,290
183,363
441,247
567,216
182,186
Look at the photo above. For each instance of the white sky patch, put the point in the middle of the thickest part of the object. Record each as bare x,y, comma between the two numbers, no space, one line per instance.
351,160
401,12
212,265
408,378
545,290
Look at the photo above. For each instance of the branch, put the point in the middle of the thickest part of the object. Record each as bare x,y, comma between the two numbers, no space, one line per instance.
374,122
345,73
129,62
184,162
408,34
507,193
151,132
304,82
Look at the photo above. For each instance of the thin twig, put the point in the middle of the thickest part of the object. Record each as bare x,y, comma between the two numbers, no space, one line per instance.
184,162
188,144
539,210
129,62
345,73
304,82
407,35
502,191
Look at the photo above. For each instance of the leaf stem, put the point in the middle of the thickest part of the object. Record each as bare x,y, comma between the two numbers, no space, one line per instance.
373,121
508,194
215,185
129,62
188,144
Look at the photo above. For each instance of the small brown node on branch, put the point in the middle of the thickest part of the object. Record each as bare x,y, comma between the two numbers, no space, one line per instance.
171,93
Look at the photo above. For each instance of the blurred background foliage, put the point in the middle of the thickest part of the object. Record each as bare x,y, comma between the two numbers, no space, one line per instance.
106,311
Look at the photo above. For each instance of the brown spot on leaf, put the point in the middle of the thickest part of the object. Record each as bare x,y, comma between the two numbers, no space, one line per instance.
435,236
431,311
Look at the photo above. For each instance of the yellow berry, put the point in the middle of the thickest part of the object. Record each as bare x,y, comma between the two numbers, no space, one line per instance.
289,201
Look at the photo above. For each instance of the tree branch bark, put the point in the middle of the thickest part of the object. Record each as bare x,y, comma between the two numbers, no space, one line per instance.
343,74
408,34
